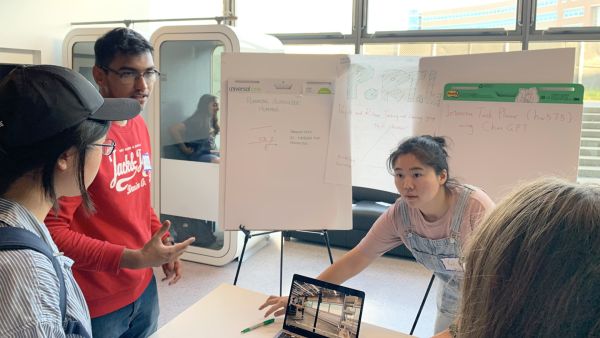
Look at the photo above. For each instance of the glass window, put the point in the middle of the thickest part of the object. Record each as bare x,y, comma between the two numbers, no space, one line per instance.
189,72
335,309
555,13
216,71
595,15
318,49
179,9
84,59
308,16
439,49
394,15
190,129
587,72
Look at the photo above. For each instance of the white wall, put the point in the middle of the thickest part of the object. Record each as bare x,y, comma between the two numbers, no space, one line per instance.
42,25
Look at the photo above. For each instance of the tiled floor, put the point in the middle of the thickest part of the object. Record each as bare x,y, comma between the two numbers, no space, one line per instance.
394,287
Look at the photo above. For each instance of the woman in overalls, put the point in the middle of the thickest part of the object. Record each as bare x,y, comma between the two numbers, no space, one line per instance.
433,217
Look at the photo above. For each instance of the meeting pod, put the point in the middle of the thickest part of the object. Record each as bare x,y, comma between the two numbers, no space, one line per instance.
182,116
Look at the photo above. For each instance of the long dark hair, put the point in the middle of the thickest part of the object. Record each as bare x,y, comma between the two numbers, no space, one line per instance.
202,112
40,158
429,150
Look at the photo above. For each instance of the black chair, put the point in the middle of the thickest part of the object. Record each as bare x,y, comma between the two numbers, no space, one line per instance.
365,211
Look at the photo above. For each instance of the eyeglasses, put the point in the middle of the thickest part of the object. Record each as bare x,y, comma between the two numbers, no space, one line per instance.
128,77
107,148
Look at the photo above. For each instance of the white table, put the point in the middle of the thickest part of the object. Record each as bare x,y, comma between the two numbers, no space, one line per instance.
228,309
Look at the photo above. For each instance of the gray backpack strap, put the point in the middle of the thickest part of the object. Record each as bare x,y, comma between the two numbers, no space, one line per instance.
12,238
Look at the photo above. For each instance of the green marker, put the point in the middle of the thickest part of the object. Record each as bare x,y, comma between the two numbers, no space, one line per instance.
266,322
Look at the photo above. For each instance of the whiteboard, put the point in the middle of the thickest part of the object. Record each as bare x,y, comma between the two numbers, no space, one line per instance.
497,145
276,131
388,99
375,96
378,102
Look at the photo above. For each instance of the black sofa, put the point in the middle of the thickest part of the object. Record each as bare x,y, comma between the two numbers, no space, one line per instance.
365,210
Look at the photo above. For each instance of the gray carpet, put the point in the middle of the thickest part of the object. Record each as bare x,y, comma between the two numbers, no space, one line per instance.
394,287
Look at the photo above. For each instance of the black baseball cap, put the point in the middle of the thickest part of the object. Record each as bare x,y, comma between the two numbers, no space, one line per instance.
40,101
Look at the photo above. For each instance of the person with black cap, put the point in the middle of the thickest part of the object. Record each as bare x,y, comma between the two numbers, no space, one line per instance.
115,248
53,126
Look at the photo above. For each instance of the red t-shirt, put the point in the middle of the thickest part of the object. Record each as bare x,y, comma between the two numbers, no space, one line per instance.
124,217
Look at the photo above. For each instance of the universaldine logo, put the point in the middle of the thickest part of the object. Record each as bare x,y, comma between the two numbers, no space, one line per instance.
245,89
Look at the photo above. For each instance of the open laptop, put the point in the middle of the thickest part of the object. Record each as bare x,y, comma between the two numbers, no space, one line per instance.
320,309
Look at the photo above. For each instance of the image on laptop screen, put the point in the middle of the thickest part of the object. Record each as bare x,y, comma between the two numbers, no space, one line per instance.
320,309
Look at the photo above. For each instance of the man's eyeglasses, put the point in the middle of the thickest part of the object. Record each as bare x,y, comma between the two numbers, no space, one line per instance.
128,77
107,148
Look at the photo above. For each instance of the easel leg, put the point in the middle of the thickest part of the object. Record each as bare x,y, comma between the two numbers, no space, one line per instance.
246,237
422,303
281,266
326,236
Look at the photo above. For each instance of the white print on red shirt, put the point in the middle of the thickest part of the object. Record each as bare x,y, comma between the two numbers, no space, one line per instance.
125,171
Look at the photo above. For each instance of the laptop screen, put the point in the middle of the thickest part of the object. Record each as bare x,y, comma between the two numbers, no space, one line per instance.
320,309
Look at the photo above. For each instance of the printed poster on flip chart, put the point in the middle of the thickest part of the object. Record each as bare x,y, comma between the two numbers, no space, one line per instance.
278,130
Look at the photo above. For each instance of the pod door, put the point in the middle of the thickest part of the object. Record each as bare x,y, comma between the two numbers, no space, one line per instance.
187,138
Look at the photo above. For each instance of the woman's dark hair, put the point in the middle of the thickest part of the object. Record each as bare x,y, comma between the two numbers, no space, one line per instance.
203,112
40,158
120,40
430,150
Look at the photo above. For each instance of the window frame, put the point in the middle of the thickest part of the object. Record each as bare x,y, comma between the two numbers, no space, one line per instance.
524,32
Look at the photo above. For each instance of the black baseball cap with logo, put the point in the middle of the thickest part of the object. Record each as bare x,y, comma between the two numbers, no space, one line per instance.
40,101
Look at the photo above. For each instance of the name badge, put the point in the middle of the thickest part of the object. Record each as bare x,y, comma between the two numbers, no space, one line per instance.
146,162
452,264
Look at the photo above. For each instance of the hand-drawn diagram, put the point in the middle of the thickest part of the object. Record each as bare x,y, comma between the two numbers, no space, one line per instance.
380,98
265,136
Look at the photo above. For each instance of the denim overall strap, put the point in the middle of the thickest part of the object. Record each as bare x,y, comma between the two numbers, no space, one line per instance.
431,253
20,239
405,218
459,212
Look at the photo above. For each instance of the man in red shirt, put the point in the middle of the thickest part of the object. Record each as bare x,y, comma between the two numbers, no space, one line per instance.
115,248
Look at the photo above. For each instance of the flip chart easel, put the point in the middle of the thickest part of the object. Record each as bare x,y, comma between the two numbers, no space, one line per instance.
275,144
276,113
248,235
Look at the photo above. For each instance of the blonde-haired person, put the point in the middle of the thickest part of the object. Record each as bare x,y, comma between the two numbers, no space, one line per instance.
533,267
